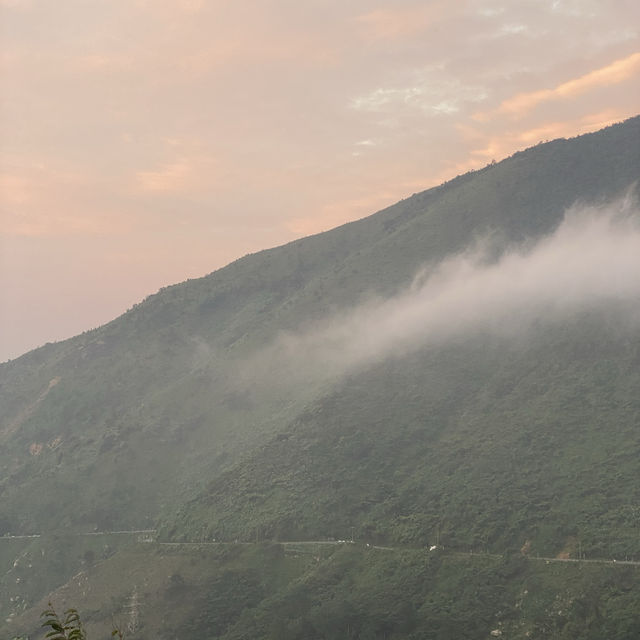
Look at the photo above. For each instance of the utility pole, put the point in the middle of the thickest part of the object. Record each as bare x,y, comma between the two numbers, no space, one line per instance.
134,611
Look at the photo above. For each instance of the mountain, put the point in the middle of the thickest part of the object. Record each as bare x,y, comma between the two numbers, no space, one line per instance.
448,372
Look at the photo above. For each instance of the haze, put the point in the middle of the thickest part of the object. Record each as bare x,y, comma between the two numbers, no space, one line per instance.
144,142
592,261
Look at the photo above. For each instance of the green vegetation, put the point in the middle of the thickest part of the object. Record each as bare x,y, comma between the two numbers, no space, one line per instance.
31,568
68,627
509,448
484,446
283,592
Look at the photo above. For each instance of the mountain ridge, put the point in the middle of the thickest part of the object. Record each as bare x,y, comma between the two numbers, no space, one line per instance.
179,413
183,329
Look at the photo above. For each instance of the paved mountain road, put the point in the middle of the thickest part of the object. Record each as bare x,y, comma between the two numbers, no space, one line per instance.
290,543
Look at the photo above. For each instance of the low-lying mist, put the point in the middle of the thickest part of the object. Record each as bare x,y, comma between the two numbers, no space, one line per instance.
592,260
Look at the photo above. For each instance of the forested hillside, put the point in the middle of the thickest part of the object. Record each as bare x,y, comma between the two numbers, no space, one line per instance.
459,370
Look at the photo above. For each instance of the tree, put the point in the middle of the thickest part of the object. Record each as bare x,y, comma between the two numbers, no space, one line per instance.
68,627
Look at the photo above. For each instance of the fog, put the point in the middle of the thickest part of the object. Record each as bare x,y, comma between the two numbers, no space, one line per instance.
591,260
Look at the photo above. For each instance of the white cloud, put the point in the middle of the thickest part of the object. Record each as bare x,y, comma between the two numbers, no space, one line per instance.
576,8
513,29
432,92
592,259
490,12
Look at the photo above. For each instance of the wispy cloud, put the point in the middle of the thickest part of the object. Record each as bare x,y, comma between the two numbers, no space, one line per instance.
16,4
432,91
390,23
186,6
513,29
614,73
170,177
592,259
575,8
30,187
492,145
193,171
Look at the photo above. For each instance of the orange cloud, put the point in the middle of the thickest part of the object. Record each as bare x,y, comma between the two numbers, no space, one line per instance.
614,73
16,4
66,223
185,173
340,211
14,189
185,6
389,24
101,63
171,177
41,198
552,130
486,147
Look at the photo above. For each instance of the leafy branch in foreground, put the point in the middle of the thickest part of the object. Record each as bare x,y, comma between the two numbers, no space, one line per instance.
69,627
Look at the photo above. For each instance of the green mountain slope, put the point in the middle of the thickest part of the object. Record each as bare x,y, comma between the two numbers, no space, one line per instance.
176,413
475,444
283,592
144,407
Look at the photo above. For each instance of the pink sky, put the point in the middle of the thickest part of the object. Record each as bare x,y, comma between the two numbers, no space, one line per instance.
144,142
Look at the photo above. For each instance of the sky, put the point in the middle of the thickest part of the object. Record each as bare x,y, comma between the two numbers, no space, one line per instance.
144,142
